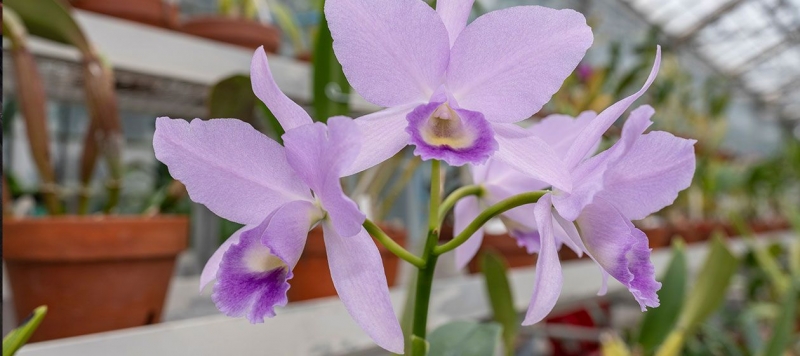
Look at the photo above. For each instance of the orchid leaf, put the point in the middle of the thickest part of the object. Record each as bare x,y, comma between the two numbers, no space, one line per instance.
9,112
52,20
289,24
780,281
232,97
706,296
271,122
784,324
33,105
465,338
659,321
19,336
612,345
499,290
331,90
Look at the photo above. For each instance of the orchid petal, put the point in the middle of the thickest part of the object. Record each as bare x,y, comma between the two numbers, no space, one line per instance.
591,135
319,155
570,236
288,113
549,278
393,52
286,231
228,166
383,134
649,177
212,266
508,63
251,281
454,14
358,275
530,155
465,211
560,131
620,249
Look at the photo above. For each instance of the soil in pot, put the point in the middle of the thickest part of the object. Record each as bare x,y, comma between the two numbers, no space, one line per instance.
152,12
94,273
312,276
240,32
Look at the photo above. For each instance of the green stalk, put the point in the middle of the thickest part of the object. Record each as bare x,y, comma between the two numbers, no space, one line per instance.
457,195
425,275
391,245
488,214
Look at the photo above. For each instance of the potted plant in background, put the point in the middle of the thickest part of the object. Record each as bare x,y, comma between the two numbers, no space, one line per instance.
238,23
94,272
160,13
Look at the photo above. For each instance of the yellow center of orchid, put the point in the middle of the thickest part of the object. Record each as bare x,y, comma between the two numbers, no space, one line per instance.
261,259
445,128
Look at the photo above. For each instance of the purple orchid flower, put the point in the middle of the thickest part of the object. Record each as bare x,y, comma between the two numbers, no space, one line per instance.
279,194
501,181
639,175
452,90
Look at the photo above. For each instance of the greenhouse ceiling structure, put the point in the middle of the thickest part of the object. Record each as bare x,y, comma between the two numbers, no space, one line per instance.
754,42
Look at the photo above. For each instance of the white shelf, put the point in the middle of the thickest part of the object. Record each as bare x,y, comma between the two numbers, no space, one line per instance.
149,50
324,327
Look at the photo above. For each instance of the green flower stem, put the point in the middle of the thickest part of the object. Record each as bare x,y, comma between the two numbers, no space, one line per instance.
488,214
457,195
391,245
425,275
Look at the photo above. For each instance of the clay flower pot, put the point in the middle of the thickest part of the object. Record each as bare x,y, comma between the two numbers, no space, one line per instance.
240,32
152,12
94,273
312,277
659,237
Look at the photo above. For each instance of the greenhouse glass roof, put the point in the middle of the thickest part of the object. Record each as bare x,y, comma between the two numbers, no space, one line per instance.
755,42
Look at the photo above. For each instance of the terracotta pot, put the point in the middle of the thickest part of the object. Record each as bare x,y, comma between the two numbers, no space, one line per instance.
506,246
312,277
240,32
659,237
94,273
152,12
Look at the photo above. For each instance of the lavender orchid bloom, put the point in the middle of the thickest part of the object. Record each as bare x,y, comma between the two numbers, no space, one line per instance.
452,90
639,175
280,194
500,181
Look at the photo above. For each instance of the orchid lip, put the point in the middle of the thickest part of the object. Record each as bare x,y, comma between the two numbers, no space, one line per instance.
443,131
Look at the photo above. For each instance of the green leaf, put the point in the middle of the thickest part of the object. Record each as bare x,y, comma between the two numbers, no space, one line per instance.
271,122
780,281
419,346
499,290
706,296
19,336
407,317
612,345
465,338
9,112
52,20
784,325
289,24
659,321
330,87
232,97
